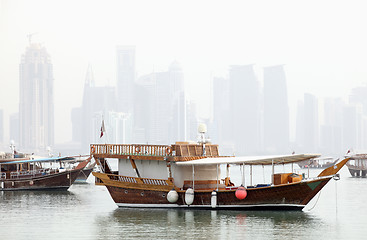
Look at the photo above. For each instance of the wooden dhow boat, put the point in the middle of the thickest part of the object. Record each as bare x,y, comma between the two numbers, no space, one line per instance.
187,175
319,162
357,165
38,174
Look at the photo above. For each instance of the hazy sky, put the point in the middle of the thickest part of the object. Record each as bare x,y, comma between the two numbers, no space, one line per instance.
323,44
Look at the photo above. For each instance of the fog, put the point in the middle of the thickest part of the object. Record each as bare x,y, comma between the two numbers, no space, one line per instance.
321,46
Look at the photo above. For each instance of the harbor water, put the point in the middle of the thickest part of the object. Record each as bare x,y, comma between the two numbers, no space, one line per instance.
87,211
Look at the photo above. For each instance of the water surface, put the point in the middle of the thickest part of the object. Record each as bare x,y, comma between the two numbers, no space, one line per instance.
87,211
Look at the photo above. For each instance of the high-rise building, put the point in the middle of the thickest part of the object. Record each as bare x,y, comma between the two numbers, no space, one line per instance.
352,128
36,104
14,128
331,130
276,111
98,102
178,101
245,109
358,99
1,126
307,134
125,60
161,107
222,119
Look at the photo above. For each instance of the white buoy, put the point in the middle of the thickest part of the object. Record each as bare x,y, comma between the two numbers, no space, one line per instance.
214,199
189,196
172,196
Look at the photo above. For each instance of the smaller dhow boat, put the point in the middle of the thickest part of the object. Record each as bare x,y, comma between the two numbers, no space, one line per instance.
320,162
187,175
357,165
27,173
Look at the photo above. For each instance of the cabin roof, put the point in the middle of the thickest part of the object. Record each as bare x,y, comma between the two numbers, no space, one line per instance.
38,160
252,160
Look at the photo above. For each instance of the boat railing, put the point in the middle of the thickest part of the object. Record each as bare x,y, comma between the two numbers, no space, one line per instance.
131,149
148,181
27,174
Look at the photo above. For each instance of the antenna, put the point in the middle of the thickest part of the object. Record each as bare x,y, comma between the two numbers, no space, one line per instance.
29,36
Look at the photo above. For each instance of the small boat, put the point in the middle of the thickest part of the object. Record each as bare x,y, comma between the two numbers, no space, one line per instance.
357,165
30,173
319,162
187,175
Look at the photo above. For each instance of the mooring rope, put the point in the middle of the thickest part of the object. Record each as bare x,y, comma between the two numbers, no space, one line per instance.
315,202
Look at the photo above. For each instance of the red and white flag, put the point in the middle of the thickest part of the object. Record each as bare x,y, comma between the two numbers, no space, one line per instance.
102,129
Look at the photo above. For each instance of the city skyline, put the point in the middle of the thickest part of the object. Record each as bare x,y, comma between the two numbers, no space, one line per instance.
161,114
317,58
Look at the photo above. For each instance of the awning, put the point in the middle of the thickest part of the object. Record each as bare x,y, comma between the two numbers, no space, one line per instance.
252,160
39,160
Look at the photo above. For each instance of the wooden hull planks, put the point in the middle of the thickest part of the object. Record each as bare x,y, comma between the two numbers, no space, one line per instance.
55,181
292,196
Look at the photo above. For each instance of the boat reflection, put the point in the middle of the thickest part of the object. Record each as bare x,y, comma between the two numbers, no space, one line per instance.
194,224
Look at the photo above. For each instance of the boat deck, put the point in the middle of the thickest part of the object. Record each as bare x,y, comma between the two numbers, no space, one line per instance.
175,152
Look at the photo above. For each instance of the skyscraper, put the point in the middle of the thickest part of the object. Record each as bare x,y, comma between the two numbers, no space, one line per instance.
14,128
161,107
222,119
98,102
36,104
331,130
178,100
245,109
1,126
276,112
125,60
308,124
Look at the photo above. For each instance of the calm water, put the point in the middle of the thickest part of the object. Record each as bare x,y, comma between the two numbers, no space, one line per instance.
87,211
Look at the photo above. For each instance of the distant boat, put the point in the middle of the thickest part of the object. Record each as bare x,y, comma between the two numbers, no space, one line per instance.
357,165
37,174
186,175
320,162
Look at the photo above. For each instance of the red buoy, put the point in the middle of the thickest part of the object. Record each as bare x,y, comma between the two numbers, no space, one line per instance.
241,193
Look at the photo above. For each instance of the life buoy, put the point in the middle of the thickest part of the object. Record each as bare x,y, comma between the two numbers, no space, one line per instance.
168,150
93,149
137,149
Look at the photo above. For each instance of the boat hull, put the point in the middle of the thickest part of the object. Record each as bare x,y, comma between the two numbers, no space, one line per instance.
56,181
83,175
292,196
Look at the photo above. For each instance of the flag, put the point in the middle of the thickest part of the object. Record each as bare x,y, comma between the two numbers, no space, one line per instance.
102,129
348,152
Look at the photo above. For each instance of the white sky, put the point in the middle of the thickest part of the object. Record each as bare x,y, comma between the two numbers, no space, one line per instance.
323,44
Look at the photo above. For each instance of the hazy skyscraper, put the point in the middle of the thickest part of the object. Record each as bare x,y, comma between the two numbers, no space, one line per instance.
352,127
161,106
125,60
331,130
245,109
14,128
276,112
178,101
97,103
1,126
36,104
308,124
222,119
